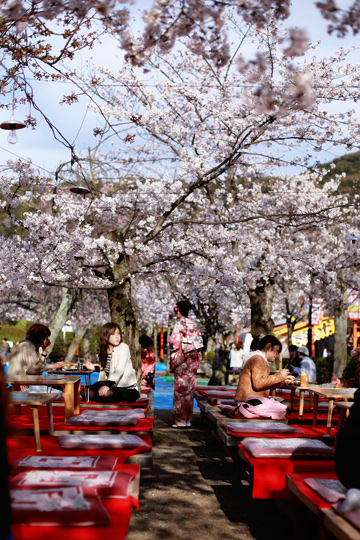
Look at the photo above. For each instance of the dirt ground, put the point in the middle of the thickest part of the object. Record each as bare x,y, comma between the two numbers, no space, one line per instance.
193,492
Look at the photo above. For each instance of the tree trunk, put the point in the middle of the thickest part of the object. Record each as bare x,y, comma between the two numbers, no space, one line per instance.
261,301
122,312
220,363
340,351
86,345
69,300
76,342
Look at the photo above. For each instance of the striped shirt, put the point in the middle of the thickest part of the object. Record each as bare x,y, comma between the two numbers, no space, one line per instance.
107,367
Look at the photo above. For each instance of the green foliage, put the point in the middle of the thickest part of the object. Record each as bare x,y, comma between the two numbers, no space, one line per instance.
210,356
350,369
15,332
61,346
324,369
349,164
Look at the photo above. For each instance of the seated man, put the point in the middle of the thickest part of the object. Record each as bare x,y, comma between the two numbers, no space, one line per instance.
307,365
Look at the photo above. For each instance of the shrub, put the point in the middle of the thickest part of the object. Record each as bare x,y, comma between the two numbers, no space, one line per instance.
324,369
210,356
350,369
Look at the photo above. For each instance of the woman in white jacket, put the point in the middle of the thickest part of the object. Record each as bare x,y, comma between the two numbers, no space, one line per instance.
117,379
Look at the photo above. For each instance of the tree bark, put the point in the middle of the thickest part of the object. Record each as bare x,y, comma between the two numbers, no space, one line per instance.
261,301
86,344
69,300
340,351
121,309
76,342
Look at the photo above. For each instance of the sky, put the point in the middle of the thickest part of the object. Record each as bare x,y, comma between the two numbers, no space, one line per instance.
76,122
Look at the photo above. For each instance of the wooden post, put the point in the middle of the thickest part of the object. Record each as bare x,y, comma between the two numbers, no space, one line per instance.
155,341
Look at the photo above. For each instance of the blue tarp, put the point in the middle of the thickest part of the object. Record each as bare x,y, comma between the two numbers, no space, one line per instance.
163,395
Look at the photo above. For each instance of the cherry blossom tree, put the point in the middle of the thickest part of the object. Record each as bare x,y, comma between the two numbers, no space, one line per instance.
193,181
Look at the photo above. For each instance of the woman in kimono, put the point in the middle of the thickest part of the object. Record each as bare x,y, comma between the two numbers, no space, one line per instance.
148,361
185,366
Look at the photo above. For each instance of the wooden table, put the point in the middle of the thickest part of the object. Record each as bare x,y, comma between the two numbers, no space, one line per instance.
344,407
71,389
34,401
302,390
338,527
71,372
331,394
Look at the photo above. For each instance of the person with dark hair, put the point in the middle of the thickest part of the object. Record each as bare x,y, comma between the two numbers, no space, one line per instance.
347,464
4,346
117,379
255,378
355,381
236,356
27,359
294,360
148,361
185,361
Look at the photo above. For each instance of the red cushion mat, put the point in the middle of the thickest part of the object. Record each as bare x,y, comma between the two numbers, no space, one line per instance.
118,509
18,446
308,416
308,492
269,475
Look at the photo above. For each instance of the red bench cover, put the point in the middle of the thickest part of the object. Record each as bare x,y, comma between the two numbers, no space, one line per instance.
69,506
21,446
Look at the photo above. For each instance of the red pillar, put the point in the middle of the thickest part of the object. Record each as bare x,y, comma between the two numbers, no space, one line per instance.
312,344
162,344
354,334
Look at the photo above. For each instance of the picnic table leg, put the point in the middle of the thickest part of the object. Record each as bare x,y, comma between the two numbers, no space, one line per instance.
330,413
50,417
292,396
69,400
301,406
35,415
77,388
343,413
16,388
315,412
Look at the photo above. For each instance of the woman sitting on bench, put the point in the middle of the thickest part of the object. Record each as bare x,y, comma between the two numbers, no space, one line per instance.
255,379
117,379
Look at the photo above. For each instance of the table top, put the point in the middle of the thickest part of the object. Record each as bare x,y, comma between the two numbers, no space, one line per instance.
65,371
46,379
344,404
333,392
298,387
31,398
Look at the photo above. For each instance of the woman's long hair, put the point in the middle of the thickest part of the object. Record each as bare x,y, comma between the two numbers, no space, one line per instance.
106,331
